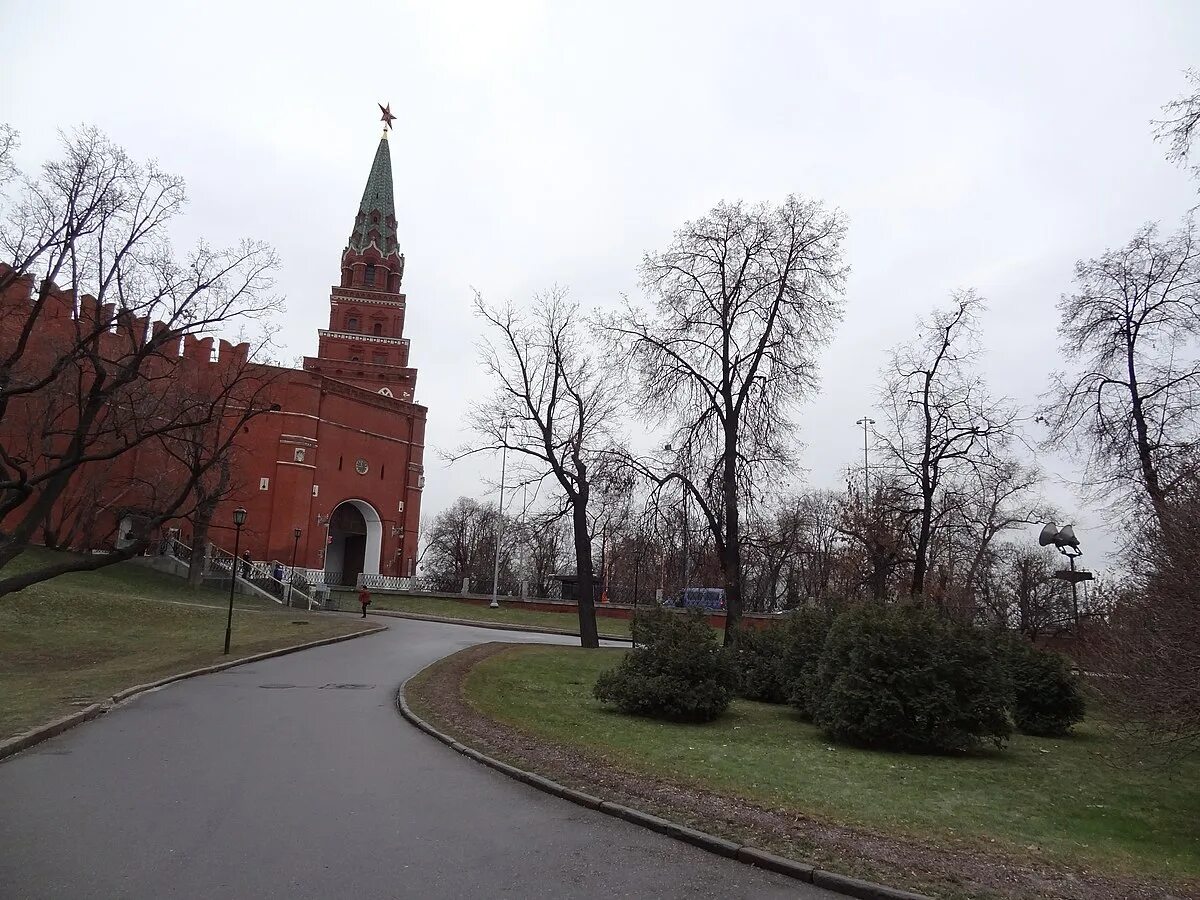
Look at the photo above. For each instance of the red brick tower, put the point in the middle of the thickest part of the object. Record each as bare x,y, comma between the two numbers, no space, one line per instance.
365,344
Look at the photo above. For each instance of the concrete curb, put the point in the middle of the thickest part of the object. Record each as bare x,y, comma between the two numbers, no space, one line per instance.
533,629
34,736
841,884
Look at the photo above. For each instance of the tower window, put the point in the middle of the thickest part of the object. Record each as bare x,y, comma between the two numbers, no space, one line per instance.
352,324
369,275
377,329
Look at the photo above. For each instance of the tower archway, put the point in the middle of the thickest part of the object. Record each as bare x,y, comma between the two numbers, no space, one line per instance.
355,541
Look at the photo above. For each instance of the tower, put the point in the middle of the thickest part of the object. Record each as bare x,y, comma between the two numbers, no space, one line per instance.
365,344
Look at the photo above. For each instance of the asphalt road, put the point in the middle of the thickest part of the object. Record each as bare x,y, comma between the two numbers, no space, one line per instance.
295,777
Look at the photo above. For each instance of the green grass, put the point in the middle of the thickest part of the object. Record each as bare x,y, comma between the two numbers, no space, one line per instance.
1065,801
81,638
509,614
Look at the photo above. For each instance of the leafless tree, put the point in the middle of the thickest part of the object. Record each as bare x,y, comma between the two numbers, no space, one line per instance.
1181,122
941,422
1025,595
554,406
1131,400
881,525
1150,647
462,545
744,299
83,380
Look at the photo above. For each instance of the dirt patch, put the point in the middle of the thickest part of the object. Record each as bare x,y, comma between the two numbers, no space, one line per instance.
437,695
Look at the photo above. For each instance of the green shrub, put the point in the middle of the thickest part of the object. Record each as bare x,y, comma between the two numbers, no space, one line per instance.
677,670
903,678
1046,698
759,663
806,631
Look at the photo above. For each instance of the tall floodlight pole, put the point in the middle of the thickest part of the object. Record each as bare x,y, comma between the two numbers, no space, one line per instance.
500,520
239,519
866,424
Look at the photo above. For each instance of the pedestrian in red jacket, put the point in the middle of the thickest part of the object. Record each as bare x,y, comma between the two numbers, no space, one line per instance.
364,597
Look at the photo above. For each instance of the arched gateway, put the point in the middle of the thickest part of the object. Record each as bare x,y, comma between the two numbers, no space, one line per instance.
355,539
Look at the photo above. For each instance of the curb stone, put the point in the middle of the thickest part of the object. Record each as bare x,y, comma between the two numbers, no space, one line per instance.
497,626
34,736
831,881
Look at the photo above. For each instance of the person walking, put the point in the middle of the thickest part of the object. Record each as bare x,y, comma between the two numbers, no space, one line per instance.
364,598
246,563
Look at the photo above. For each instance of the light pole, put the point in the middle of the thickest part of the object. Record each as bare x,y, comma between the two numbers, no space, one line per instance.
687,547
866,424
495,604
292,577
239,519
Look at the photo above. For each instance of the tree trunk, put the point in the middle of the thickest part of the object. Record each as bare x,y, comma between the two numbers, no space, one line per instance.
1142,432
731,553
588,635
200,525
921,564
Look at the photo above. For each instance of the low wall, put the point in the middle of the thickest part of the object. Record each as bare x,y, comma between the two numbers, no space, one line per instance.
569,607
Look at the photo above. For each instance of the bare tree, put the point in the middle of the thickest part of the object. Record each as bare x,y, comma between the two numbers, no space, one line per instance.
84,379
554,406
1150,648
990,502
880,524
744,299
941,421
1181,122
462,545
1131,401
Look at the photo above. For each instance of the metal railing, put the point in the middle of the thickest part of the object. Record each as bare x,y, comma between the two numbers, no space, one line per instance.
221,564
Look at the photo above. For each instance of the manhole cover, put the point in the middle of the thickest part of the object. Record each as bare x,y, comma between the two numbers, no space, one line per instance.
277,687
347,687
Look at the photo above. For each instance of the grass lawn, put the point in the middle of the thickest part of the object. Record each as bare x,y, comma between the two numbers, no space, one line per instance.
80,638
506,614
1073,801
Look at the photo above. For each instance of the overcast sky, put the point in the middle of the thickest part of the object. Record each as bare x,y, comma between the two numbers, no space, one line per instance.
969,144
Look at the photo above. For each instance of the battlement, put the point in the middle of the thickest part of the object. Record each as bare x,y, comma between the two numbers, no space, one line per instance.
65,318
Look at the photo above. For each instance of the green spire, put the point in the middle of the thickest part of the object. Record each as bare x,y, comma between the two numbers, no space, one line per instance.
377,211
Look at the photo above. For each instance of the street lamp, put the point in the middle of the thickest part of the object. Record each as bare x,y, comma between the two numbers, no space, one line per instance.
866,423
292,577
495,604
239,519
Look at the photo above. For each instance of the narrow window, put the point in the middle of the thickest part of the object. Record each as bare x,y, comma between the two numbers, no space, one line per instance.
339,464
377,330
352,324
369,275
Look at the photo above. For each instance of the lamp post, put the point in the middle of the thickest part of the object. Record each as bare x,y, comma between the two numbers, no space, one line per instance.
687,544
495,604
292,577
239,519
866,424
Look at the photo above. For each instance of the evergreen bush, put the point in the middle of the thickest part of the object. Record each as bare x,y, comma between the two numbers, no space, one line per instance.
676,671
904,678
806,631
759,661
1046,697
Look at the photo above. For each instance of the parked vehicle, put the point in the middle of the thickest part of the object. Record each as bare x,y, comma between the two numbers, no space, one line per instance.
712,599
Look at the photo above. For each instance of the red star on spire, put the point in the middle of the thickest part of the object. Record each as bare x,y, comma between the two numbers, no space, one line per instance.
387,116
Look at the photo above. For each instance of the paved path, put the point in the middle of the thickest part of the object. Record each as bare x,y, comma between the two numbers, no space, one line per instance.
295,778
